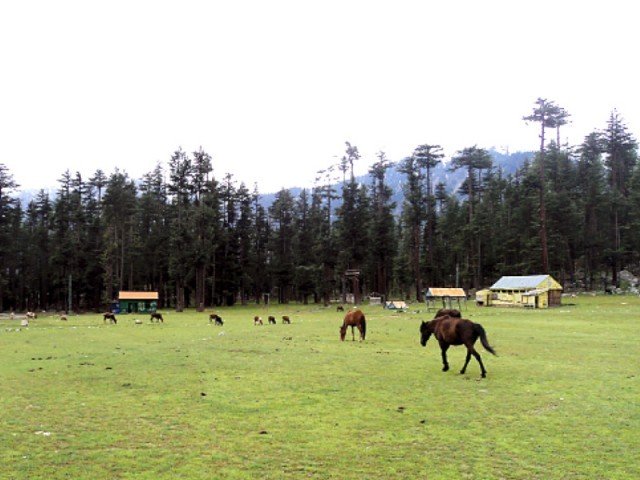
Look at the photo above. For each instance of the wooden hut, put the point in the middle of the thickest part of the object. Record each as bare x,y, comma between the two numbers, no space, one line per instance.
446,295
137,302
532,291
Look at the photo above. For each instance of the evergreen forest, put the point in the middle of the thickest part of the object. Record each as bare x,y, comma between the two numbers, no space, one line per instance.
203,240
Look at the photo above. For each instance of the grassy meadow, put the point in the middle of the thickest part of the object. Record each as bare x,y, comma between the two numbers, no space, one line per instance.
185,399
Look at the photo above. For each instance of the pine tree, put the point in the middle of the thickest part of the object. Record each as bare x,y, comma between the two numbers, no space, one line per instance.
549,115
591,191
180,189
204,221
428,157
620,150
412,219
245,231
119,209
382,228
7,207
153,224
325,249
306,266
474,160
281,265
261,276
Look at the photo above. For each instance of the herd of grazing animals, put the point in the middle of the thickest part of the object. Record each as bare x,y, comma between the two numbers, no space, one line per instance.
257,320
156,316
448,327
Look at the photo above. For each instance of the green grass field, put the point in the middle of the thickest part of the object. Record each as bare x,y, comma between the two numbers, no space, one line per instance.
185,399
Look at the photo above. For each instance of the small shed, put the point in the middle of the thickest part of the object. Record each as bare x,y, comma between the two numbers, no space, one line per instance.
137,302
447,295
532,291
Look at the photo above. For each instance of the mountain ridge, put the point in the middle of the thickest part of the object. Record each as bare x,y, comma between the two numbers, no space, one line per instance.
508,162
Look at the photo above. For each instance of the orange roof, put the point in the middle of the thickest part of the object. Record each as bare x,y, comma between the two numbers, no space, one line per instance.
446,292
138,296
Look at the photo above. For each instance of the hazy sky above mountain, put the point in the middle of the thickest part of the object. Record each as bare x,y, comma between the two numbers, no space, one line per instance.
273,89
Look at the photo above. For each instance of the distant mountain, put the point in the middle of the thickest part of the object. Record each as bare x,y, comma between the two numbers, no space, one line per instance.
507,162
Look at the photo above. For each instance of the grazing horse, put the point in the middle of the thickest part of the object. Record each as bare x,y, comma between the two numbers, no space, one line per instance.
339,308
216,319
272,320
257,320
32,315
286,319
456,331
109,316
354,319
448,312
157,316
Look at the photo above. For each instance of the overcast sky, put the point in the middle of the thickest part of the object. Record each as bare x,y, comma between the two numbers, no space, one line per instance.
272,89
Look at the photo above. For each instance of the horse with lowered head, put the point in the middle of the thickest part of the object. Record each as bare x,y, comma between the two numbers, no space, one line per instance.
354,319
450,330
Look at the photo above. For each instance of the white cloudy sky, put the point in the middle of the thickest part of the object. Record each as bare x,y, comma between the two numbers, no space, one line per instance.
273,89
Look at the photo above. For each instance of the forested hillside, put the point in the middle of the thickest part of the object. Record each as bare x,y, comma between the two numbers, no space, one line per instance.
203,240
507,163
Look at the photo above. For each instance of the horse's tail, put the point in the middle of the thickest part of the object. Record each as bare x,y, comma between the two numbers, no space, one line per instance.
364,327
483,338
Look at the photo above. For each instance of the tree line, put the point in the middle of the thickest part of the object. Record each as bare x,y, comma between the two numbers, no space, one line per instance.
202,241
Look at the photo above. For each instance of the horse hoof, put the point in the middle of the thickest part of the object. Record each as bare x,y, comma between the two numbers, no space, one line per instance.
445,369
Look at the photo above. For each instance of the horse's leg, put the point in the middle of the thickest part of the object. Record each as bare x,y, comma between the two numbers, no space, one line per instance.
482,370
466,361
472,351
353,334
443,348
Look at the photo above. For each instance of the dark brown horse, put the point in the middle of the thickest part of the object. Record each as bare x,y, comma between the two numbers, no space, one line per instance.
451,312
272,320
157,316
354,319
286,319
216,319
339,308
456,331
109,316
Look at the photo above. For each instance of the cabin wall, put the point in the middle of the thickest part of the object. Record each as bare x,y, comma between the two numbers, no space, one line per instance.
518,299
138,306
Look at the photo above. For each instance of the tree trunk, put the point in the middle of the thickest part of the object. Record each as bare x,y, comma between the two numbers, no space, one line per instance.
416,261
179,295
200,276
543,208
